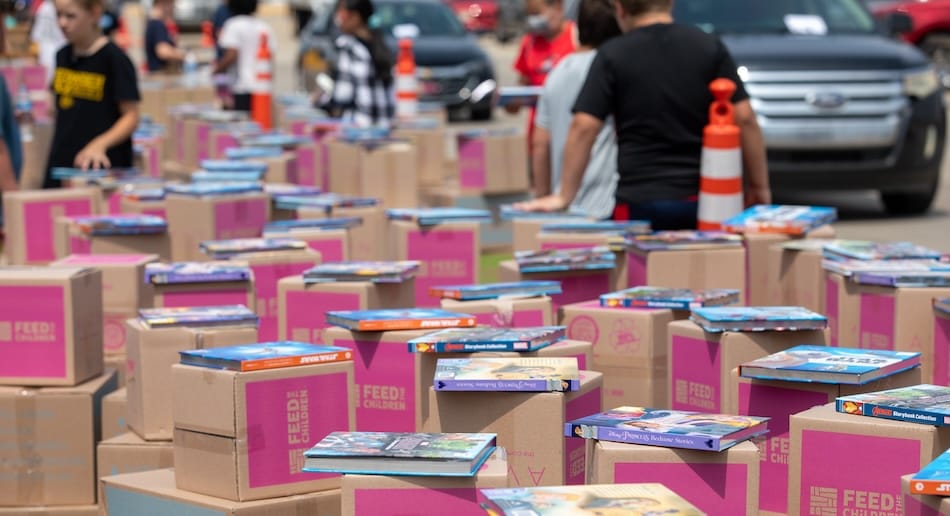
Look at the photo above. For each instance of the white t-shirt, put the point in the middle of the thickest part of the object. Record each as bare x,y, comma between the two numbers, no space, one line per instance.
47,36
243,33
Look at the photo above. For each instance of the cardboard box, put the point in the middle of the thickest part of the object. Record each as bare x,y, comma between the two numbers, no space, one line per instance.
701,363
621,336
848,464
205,294
63,510
312,165
922,505
48,446
576,286
762,265
941,343
387,172
71,240
151,354
114,338
154,492
506,312
430,153
529,425
301,306
29,220
378,495
332,244
448,254
493,163
50,325
113,413
840,301
555,240
365,239
119,364
779,400
282,169
35,155
716,483
695,269
151,207
795,278
525,231
497,235
242,436
192,220
269,269
123,288
128,453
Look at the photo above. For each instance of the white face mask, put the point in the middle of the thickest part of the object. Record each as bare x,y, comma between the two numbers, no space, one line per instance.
537,24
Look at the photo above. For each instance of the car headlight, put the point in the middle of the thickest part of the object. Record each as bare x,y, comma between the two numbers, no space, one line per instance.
922,83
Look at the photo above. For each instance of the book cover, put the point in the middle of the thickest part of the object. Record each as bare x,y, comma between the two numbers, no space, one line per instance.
638,227
65,173
683,239
434,216
222,249
718,319
507,374
144,194
547,260
197,316
233,165
465,340
325,201
669,428
106,225
825,364
670,298
934,478
925,404
377,272
274,140
866,250
331,223
496,290
203,176
267,355
598,499
509,212
211,189
942,305
521,95
848,267
789,220
240,153
903,279
195,272
399,319
806,244
277,189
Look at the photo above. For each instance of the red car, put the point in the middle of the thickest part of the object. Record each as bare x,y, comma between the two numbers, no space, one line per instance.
478,16
931,27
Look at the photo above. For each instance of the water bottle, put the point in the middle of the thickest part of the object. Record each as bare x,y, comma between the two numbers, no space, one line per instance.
24,106
190,68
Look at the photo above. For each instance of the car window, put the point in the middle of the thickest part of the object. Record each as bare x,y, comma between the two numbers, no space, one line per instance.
768,16
433,19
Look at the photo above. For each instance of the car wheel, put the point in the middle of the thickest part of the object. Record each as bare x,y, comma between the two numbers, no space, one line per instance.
909,203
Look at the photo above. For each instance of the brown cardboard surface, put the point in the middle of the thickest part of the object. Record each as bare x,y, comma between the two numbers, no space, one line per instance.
368,240
70,240
556,240
128,453
128,205
113,413
315,236
15,223
281,169
387,172
123,288
191,220
506,312
505,163
430,153
247,286
762,265
621,336
795,278
35,154
64,510
117,362
81,323
113,333
922,505
639,385
607,456
695,269
444,270
155,491
43,464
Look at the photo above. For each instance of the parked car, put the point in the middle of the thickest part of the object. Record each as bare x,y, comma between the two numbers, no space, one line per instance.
453,70
189,14
842,104
930,31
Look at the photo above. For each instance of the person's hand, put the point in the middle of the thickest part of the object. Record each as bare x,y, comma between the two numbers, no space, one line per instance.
513,107
92,156
544,204
757,195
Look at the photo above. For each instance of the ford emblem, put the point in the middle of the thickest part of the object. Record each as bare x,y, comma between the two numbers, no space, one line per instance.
826,99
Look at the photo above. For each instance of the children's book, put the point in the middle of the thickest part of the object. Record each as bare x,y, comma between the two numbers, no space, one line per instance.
629,227
934,479
600,499
669,428
788,220
496,290
683,240
509,212
548,260
223,249
521,95
399,319
942,306
376,272
552,374
144,194
825,364
238,153
671,298
718,319
467,340
109,225
904,279
434,216
195,272
239,176
331,223
865,250
268,355
228,315
273,140
64,173
354,134
326,201
925,404
233,165
211,189
279,189
850,266
396,453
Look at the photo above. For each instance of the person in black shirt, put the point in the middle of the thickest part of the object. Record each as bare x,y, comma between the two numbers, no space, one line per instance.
654,80
161,51
96,93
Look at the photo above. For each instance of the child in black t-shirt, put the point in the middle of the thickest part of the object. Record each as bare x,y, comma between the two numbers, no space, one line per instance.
96,94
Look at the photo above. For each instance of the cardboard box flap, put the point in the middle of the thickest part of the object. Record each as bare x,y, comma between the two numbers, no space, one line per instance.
88,388
623,452
43,273
106,260
202,400
63,510
129,439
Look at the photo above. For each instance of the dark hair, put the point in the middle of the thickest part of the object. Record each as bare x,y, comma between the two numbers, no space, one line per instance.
638,7
596,22
379,51
242,7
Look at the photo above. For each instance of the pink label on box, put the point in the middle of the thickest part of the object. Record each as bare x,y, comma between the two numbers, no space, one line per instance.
39,223
514,319
575,457
298,127
265,285
846,473
695,374
877,322
636,269
80,244
576,288
114,204
386,385
941,351
712,488
243,218
113,333
447,258
32,332
324,171
207,298
306,165
103,259
778,404
471,162
284,418
223,142
202,141
154,161
34,78
331,250
306,311
180,142
458,501
293,171
831,308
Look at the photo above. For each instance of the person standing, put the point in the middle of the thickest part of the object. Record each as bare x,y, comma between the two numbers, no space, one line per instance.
161,47
11,146
47,36
241,40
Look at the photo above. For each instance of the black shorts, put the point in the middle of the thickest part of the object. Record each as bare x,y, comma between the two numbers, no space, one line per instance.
242,102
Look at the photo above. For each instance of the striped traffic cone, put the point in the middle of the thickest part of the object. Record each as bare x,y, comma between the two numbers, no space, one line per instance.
207,34
407,84
720,183
261,97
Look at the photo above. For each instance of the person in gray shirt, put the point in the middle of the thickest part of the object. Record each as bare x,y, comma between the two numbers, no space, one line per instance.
595,24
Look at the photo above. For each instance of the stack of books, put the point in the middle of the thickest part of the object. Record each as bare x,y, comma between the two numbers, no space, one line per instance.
509,212
682,240
207,176
195,272
214,188
290,190
326,201
669,298
496,290
224,249
865,250
117,225
761,318
399,319
284,226
626,227
267,355
374,272
552,260
199,316
924,404
435,216
470,340
787,220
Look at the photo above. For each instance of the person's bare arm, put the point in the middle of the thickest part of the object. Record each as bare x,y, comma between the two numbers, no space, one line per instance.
167,52
93,155
541,162
227,59
754,160
8,182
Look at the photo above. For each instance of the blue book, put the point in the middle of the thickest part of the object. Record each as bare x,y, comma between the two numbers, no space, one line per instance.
274,140
521,95
904,279
668,428
223,249
282,189
612,227
353,134
399,319
509,212
788,220
326,201
115,225
375,272
201,316
825,364
549,260
245,176
683,240
144,194
433,216
238,153
670,298
718,319
231,165
267,355
331,223
942,306
924,404
470,340
849,267
212,189
63,173
516,374
195,272
496,290
934,479
866,250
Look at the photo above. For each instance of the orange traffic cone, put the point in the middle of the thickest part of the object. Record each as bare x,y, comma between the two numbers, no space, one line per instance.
207,34
720,184
261,96
407,84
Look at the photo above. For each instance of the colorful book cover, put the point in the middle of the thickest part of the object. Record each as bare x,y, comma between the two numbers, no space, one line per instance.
438,454
717,319
806,244
325,201
237,176
211,189
467,340
195,272
377,272
849,267
630,227
866,250
825,364
904,279
683,240
144,194
399,319
64,173
670,298
107,225
354,134
925,404
221,249
239,153
197,316
590,258
552,374
669,428
521,95
789,220
283,189
934,479
597,499
331,223
267,355
433,216
233,165
496,290
509,212
942,306
274,140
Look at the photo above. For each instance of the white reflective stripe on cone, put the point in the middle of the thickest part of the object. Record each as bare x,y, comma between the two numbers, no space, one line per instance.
407,83
721,164
718,207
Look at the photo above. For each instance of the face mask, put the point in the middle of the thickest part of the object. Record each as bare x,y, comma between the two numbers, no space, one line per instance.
537,24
